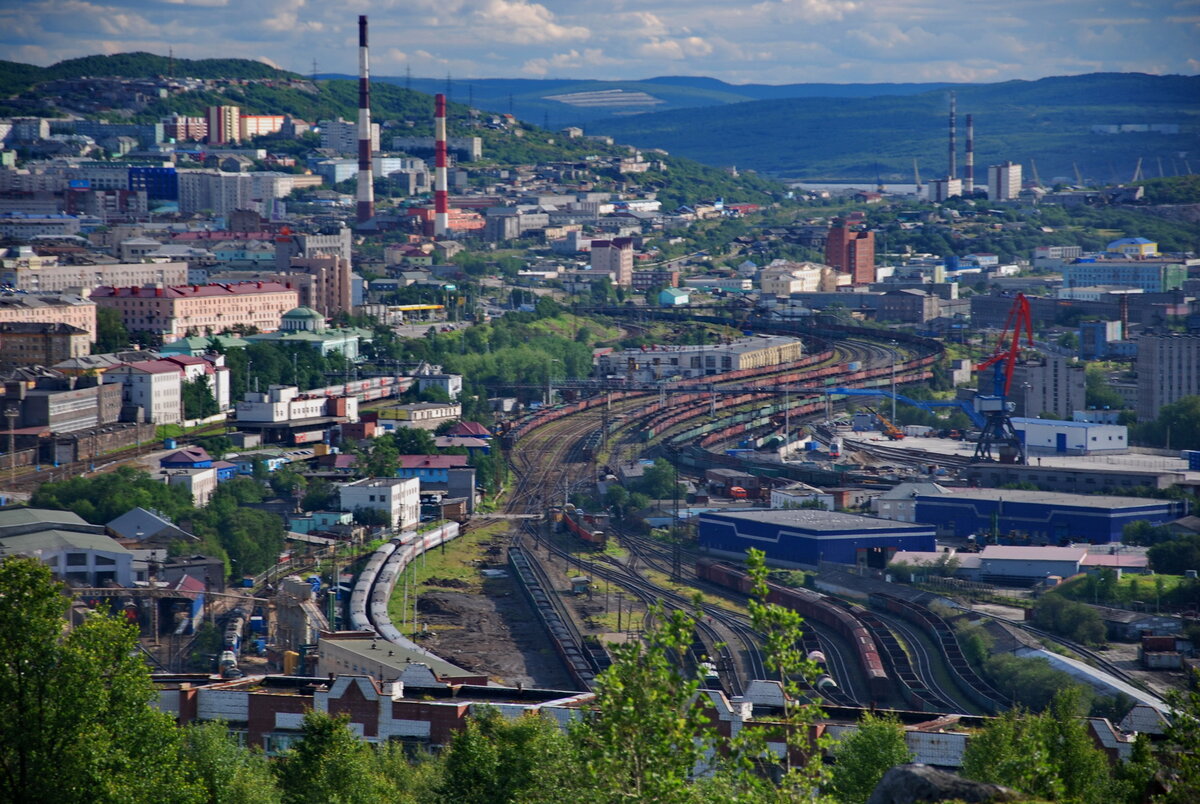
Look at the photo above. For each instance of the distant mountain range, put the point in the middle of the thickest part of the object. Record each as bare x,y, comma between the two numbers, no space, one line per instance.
561,102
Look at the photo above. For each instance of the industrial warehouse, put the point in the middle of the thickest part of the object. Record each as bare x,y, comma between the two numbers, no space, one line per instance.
808,537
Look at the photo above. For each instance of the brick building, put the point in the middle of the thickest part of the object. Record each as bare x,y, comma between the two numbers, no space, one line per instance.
26,343
614,257
173,312
851,251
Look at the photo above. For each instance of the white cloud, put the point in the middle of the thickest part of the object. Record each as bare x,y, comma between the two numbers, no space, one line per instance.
523,23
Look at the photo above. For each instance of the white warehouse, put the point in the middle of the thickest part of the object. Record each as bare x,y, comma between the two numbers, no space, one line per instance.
1053,437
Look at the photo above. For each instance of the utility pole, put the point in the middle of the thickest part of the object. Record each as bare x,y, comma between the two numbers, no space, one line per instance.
893,350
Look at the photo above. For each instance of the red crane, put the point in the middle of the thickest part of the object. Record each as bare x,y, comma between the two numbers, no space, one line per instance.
998,430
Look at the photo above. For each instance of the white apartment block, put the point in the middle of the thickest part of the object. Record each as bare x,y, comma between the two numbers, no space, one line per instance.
156,386
342,136
399,498
1004,181
221,193
1168,369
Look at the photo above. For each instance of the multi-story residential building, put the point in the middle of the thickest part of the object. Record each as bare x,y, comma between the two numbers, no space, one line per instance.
645,280
221,193
50,308
1168,368
1004,182
465,149
614,257
1151,275
397,497
662,362
20,226
783,278
173,312
342,136
1052,385
945,189
224,124
25,343
185,129
30,272
259,125
154,386
851,251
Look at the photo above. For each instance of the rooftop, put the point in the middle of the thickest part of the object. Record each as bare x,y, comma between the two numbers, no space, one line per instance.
1057,498
191,291
814,520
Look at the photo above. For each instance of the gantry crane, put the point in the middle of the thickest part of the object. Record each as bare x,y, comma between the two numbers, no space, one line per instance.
998,430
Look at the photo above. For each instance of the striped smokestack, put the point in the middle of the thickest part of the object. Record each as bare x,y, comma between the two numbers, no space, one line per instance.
969,167
953,138
366,186
441,196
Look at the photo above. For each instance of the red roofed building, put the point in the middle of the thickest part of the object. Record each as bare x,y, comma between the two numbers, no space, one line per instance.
470,429
174,312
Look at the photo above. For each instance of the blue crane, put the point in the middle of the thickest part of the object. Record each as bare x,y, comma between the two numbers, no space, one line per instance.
930,405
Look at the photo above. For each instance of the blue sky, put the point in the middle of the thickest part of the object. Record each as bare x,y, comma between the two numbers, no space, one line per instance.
768,41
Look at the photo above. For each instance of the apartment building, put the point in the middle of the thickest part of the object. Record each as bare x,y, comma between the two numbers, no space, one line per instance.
783,278
1051,385
36,274
220,193
50,308
614,257
851,251
1004,182
224,124
342,136
175,311
25,343
154,386
1168,368
397,497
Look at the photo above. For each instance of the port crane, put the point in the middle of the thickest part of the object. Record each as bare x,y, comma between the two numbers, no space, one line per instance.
998,432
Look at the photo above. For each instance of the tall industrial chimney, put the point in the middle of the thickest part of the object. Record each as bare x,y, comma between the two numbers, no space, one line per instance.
953,139
969,168
441,196
366,185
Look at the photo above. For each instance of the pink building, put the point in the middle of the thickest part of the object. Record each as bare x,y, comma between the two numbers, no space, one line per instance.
172,312
614,257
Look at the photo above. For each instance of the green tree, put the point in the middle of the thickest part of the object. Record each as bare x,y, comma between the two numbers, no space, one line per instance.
102,498
496,760
1050,755
1177,425
198,401
330,764
1182,754
75,716
648,731
1177,556
862,758
226,772
658,481
111,335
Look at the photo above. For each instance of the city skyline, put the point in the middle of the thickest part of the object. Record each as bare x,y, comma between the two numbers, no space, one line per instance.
773,41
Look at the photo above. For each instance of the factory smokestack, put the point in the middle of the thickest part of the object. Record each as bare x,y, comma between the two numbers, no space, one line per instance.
969,167
441,205
953,173
366,185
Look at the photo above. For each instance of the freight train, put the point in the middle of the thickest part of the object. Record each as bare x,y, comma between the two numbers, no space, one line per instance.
584,526
816,607
373,589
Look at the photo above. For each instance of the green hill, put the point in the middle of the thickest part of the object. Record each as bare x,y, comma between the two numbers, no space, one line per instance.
1049,121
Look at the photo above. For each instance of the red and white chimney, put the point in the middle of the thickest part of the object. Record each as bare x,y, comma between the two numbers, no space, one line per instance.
366,185
441,187
969,167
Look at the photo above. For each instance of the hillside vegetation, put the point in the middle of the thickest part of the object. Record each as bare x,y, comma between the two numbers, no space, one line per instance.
1049,120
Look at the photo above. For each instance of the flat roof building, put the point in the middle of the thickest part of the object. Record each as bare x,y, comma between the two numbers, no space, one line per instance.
798,536
1039,517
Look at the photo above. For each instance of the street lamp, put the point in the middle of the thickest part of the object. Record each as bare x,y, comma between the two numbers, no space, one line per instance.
892,349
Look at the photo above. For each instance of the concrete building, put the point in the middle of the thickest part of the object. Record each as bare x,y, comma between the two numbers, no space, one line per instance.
851,252
19,226
78,553
1039,517
155,387
1168,369
808,537
283,404
426,415
1051,437
1052,385
200,483
944,189
342,136
664,362
783,278
464,149
218,193
224,124
58,404
900,503
614,258
908,306
1074,479
1150,275
46,308
1004,182
32,273
259,125
178,311
397,497
34,344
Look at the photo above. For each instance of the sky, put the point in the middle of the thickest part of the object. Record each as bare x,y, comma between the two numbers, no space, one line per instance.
740,41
